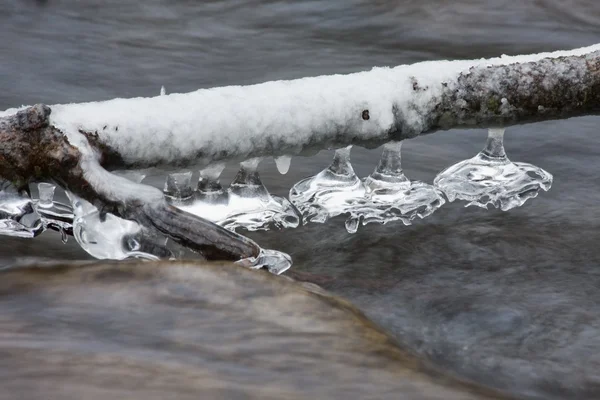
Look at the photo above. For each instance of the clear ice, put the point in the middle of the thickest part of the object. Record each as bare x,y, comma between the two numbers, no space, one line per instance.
210,200
18,217
491,178
55,215
283,164
391,196
276,262
178,186
329,193
245,204
106,236
251,206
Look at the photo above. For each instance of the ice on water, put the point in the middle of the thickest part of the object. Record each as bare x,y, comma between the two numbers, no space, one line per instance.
17,213
391,196
330,192
490,178
384,196
106,236
283,164
252,206
276,262
245,204
55,215
209,200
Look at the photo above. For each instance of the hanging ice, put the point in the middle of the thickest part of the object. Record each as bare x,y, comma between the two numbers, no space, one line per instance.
276,262
209,201
390,196
55,215
178,186
246,204
106,236
491,178
251,206
17,215
329,193
283,164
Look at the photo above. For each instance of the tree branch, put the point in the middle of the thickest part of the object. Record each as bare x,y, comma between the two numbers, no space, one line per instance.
69,143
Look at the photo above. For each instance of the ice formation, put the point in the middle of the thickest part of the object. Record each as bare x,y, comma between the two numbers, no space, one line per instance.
282,119
330,192
490,178
246,204
384,196
17,214
391,196
276,262
55,215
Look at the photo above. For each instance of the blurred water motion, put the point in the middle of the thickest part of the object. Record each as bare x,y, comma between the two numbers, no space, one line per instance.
508,299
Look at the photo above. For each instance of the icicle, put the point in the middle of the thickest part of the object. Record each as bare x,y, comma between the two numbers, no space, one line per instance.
328,193
245,204
46,194
491,178
283,164
17,214
57,216
178,186
247,184
63,235
251,206
391,196
210,200
209,178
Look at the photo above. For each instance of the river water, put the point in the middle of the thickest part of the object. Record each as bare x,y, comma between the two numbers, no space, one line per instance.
506,299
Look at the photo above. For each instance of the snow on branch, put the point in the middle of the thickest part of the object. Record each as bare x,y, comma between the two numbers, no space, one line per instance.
366,108
72,144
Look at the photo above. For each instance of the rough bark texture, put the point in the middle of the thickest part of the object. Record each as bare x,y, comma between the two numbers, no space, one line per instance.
521,93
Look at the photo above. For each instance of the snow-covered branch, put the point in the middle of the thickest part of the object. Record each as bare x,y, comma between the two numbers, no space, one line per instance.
366,108
73,143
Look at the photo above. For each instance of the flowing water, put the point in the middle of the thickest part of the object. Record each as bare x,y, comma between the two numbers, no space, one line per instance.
506,299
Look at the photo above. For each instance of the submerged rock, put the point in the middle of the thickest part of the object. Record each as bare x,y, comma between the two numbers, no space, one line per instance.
198,331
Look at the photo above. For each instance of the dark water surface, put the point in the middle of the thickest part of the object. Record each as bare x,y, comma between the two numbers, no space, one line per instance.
508,299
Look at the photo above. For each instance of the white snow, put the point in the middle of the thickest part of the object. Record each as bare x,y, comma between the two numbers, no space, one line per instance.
239,120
